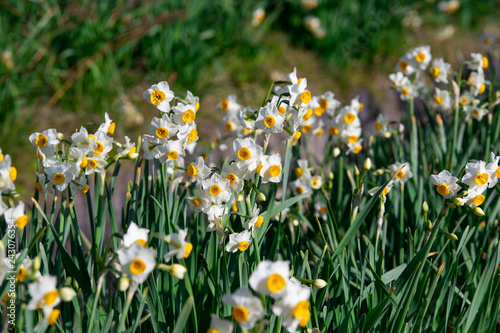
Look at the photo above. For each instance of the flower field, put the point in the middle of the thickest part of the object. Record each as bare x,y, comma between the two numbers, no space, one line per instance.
297,219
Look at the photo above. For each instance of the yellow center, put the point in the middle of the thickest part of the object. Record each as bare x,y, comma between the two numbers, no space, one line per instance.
22,221
99,149
403,65
282,110
259,167
41,140
385,191
485,63
187,250
443,189
378,126
84,162
54,315
162,132
269,121
188,116
352,139
497,173
482,178
21,275
191,170
228,126
215,190
308,115
196,202
173,155
319,111
92,164
240,314
296,136
438,100
224,105
142,242
298,172
405,91
323,103
482,88
59,178
314,182
197,106
435,72
137,266
232,178
111,128
301,310
85,189
319,132
400,174
360,108
299,190
260,219
1,157
157,96
192,135
242,246
349,118
235,207
275,283
357,149
244,154
306,128
13,174
464,100
420,57
305,97
51,297
478,200
323,210
275,170
211,330
333,131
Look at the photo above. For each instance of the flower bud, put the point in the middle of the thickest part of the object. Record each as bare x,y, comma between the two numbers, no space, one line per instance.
36,264
2,246
261,196
367,165
67,294
478,211
295,222
459,202
132,156
425,207
336,152
123,283
452,237
240,198
60,136
288,116
177,271
428,225
330,175
356,171
319,283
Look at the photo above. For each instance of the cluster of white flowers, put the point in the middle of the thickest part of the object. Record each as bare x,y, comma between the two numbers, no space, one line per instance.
478,177
415,68
87,154
269,279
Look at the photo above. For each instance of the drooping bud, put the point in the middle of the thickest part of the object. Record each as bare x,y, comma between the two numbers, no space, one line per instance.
319,283
67,294
177,271
261,196
336,152
478,211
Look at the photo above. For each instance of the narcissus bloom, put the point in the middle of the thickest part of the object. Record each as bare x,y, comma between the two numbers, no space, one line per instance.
402,171
478,177
218,325
45,141
239,241
446,184
16,215
439,70
198,170
159,95
247,309
270,278
216,189
271,168
59,174
294,306
43,293
163,128
170,151
137,262
235,176
270,120
229,105
177,245
135,235
247,154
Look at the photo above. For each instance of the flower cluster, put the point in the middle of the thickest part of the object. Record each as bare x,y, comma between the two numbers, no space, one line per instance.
85,155
469,192
269,279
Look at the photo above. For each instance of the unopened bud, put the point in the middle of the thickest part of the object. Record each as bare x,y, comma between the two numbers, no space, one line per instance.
336,152
36,264
67,294
425,207
177,271
459,202
452,237
478,211
428,225
261,196
60,136
240,198
356,171
319,283
2,246
452,206
288,116
367,165
295,222
330,175
123,283
132,156
463,193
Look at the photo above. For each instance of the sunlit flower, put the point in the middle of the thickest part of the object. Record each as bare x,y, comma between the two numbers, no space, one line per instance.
446,184
271,168
177,245
294,306
239,241
137,261
270,278
159,95
17,215
135,235
218,325
247,309
402,171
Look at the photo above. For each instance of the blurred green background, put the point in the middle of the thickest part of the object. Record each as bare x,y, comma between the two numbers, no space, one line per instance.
65,63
